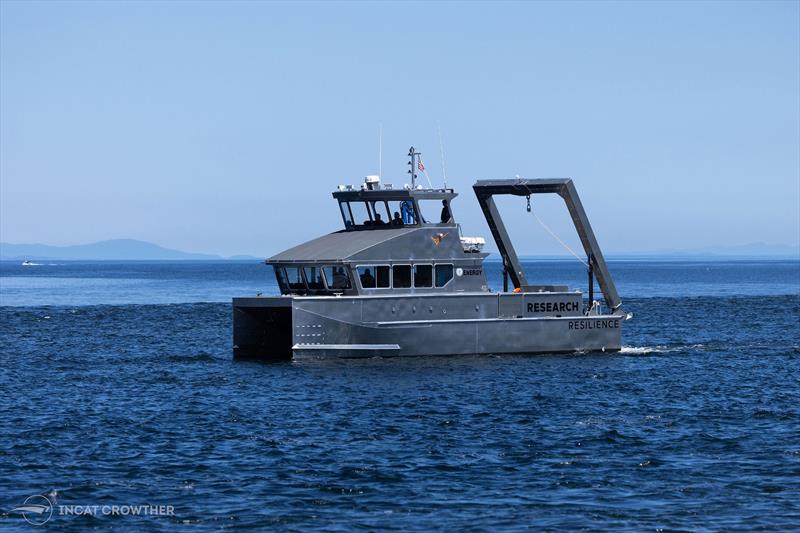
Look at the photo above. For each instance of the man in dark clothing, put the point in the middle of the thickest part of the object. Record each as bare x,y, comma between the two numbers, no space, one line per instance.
378,221
447,217
397,221
367,281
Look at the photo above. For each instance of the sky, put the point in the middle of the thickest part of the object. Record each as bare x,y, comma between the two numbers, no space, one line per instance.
224,127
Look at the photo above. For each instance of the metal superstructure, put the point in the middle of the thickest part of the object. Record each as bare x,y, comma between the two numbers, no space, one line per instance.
485,190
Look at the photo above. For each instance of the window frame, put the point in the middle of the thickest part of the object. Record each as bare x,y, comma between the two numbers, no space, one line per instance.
289,288
452,274
283,281
309,288
414,276
330,286
385,206
346,205
386,216
375,275
368,209
410,275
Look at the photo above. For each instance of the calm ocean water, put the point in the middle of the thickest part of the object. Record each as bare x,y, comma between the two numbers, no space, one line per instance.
118,388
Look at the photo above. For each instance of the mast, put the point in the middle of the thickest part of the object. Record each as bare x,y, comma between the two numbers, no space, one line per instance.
414,155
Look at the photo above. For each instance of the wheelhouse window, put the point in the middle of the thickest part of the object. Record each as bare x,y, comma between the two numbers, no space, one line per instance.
374,276
380,213
336,278
403,213
314,278
283,283
294,279
436,211
423,276
359,214
346,214
401,275
444,273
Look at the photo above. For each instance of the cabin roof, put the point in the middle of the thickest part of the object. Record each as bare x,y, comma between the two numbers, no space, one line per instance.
394,194
338,246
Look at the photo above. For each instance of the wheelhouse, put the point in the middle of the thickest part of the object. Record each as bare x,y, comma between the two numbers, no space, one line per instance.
394,241
381,208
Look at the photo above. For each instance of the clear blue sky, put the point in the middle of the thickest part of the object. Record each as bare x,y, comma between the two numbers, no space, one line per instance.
223,127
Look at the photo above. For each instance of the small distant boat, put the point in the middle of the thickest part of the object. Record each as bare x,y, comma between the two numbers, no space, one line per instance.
28,263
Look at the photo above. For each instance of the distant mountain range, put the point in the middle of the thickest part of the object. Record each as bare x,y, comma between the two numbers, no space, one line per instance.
112,250
755,249
133,250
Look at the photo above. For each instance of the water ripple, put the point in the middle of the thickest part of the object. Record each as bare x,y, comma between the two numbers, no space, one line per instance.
694,425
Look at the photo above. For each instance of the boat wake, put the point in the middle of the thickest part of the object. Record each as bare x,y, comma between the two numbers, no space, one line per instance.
647,350
642,350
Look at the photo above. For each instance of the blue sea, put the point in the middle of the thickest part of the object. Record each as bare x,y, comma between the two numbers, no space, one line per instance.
119,392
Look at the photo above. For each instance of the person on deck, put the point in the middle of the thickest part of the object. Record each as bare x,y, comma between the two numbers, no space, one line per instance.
447,217
407,209
397,221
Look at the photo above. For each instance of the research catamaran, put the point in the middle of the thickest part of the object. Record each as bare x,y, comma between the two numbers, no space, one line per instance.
398,279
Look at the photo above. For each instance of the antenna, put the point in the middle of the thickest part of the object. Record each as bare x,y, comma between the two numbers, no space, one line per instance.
414,155
441,149
380,151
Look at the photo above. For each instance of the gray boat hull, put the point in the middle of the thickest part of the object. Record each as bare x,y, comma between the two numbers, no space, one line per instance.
490,323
